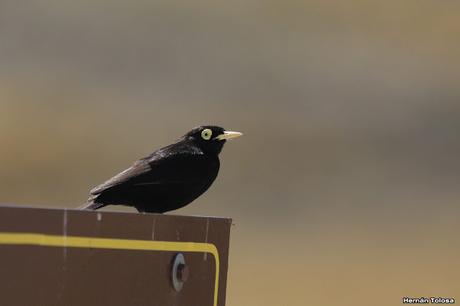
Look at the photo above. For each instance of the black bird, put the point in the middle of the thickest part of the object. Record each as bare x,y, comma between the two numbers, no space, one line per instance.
170,177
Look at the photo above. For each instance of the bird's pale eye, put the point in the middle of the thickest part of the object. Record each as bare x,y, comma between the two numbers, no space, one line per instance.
206,134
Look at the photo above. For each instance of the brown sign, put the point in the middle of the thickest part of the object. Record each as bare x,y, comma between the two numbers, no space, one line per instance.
69,257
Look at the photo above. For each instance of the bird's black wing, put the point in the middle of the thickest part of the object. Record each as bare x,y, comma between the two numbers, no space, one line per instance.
137,169
159,168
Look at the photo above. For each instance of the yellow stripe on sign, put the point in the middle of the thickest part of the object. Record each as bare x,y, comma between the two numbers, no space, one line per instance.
116,244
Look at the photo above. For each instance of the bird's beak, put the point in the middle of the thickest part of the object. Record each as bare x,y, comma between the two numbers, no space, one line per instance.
228,135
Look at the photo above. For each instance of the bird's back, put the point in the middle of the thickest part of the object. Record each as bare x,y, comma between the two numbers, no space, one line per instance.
167,179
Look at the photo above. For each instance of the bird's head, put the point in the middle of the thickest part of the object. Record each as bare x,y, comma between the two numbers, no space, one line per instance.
210,138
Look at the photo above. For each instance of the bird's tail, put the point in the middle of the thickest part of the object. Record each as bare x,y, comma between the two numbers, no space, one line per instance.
91,205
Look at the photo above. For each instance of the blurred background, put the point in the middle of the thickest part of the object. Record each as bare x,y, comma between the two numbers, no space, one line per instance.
345,189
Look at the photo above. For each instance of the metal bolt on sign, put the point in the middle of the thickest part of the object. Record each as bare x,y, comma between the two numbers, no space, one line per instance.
180,272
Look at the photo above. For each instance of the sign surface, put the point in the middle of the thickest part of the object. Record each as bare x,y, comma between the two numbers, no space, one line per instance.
70,257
